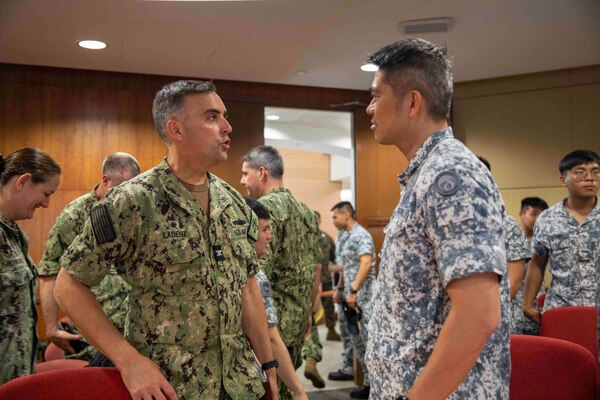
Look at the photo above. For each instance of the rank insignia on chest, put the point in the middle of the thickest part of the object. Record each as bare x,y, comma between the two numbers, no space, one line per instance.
218,252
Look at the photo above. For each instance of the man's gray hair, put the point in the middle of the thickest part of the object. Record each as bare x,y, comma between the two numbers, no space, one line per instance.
117,164
169,101
267,157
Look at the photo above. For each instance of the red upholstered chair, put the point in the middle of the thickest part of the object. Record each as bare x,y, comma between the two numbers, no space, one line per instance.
548,368
53,352
575,324
540,300
79,383
54,365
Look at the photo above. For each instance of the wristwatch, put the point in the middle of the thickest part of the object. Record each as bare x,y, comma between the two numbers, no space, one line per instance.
353,291
270,364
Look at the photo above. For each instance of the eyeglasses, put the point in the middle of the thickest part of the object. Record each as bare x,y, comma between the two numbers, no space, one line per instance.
581,174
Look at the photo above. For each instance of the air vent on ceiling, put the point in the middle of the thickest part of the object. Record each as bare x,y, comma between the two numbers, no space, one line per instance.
426,25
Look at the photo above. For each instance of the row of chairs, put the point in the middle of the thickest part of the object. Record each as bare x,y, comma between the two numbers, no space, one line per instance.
562,363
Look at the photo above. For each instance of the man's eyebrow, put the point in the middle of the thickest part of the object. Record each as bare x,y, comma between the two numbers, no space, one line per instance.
216,111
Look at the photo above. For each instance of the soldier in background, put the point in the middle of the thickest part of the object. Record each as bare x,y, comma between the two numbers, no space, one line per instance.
285,371
312,350
567,237
531,208
355,253
441,299
112,291
291,266
180,237
28,177
328,251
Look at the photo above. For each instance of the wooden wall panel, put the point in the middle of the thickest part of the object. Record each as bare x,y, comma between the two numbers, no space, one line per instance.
377,187
524,125
307,177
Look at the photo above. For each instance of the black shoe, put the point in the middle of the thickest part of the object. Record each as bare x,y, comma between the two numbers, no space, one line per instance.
339,376
361,393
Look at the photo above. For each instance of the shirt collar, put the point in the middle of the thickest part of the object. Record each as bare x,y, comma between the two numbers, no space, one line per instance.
423,153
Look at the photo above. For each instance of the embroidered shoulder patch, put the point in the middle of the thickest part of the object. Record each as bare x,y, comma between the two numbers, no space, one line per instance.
102,225
447,183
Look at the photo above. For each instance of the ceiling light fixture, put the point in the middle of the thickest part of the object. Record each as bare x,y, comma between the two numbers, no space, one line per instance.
92,44
369,67
431,25
272,117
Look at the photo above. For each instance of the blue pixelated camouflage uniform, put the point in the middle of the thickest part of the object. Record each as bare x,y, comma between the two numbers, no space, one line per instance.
517,248
573,252
267,294
349,247
447,226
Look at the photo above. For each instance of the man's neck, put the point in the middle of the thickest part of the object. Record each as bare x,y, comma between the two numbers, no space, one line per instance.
189,172
272,184
423,132
581,206
350,225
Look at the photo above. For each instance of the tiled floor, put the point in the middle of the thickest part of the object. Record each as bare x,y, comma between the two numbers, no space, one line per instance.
333,390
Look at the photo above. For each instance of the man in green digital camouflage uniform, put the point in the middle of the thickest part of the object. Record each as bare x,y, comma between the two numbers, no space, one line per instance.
179,236
112,291
292,262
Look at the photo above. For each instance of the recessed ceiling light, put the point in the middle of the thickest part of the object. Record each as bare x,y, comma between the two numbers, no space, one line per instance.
272,117
301,72
369,67
92,44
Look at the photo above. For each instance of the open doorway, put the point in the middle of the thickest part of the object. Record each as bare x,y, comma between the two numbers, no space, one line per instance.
317,150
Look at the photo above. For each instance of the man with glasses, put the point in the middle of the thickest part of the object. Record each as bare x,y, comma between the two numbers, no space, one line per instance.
568,236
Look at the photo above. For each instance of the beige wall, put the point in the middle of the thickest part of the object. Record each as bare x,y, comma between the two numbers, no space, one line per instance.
307,177
524,125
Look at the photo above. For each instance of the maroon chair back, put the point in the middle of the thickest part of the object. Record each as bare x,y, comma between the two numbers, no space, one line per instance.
548,368
540,300
79,383
575,324
53,352
54,365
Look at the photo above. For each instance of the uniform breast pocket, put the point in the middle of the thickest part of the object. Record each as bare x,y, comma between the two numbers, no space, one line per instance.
15,273
178,272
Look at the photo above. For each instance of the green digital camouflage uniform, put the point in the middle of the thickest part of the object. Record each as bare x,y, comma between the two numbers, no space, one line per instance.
290,266
186,273
112,291
18,316
312,345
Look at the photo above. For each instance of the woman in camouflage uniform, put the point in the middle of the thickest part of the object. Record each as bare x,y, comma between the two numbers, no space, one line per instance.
28,177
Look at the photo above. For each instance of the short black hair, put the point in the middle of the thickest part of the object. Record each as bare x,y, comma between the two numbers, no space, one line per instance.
344,206
416,64
575,158
485,162
260,210
533,202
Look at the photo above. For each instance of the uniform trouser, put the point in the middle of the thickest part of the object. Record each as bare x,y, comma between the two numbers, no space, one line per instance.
312,345
354,345
329,311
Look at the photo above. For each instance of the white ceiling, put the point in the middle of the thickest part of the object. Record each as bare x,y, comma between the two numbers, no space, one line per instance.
271,40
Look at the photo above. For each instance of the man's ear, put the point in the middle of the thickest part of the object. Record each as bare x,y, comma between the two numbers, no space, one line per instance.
22,180
174,130
562,181
416,103
104,179
262,173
